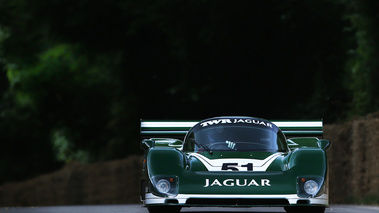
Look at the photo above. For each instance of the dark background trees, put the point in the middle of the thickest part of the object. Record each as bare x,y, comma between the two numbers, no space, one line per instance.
76,76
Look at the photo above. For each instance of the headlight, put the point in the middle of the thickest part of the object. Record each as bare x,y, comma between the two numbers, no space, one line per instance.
311,187
163,186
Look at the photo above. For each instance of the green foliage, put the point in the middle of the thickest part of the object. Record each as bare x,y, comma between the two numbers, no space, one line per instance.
364,64
68,97
73,91
64,149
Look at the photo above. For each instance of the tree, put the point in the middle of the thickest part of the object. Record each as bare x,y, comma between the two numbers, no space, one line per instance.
364,65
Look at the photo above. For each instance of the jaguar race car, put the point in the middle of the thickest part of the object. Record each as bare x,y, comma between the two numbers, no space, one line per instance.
234,162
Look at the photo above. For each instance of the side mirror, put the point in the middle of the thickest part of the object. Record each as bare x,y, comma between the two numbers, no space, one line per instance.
147,144
292,145
324,144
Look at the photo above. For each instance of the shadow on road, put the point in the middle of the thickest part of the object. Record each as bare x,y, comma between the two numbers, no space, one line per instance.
252,211
234,210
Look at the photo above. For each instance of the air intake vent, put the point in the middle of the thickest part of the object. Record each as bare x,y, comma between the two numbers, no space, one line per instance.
175,201
303,202
237,202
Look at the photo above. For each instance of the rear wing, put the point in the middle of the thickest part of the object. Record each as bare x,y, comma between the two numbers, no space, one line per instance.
178,129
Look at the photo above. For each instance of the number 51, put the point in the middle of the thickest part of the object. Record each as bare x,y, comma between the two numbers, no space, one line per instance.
233,166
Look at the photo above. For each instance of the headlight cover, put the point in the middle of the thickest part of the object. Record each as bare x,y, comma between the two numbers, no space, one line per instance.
165,186
309,186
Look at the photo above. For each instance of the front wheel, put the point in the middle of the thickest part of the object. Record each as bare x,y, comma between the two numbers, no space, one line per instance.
302,209
164,209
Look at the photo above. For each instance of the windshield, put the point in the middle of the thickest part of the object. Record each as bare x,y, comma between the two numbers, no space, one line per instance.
235,137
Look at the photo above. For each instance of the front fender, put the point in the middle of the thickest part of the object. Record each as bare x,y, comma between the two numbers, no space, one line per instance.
309,164
164,164
308,161
165,161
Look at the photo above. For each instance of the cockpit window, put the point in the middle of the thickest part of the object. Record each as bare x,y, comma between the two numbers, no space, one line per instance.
235,137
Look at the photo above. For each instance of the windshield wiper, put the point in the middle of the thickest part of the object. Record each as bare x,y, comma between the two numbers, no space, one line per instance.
201,145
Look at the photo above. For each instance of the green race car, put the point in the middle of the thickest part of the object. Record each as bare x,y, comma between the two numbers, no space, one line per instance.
234,162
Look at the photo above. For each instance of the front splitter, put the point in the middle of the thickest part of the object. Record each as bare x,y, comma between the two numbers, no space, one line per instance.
185,200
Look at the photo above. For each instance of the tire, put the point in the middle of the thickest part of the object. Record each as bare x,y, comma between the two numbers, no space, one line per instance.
304,209
164,209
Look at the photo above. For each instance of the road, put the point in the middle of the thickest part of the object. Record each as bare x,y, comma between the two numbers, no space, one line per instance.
138,209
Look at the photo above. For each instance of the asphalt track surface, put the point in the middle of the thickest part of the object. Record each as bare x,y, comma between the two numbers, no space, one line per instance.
137,208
